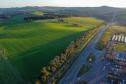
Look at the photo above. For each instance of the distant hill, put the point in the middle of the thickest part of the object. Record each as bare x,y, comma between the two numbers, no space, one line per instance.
104,12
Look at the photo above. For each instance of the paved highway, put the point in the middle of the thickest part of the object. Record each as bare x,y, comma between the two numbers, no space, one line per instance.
71,76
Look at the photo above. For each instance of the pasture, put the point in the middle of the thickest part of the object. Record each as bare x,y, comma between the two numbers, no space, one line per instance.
30,46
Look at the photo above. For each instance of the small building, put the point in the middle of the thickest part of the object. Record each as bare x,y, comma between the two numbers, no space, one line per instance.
119,38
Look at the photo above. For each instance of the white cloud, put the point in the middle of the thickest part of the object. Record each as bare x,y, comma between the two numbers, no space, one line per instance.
67,3
83,3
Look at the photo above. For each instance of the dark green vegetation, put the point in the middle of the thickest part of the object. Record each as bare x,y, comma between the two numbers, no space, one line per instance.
31,45
84,69
82,82
19,18
100,46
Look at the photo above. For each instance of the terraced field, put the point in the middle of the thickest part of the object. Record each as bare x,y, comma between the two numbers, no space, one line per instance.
30,46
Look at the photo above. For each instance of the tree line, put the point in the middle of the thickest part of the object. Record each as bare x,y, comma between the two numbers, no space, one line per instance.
44,17
50,74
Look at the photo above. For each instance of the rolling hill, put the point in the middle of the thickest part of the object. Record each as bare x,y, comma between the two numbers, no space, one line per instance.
103,12
31,45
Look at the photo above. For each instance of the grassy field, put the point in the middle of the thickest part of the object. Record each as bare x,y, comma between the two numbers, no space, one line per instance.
38,13
120,47
30,46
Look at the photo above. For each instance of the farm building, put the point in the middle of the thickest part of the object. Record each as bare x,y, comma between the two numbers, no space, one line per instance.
119,38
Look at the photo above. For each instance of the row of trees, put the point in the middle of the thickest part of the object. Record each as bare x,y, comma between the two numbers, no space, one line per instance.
38,18
45,17
60,61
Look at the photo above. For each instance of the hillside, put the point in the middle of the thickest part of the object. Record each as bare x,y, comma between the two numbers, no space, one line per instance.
104,12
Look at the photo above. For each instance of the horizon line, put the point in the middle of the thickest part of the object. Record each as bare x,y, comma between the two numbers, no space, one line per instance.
64,6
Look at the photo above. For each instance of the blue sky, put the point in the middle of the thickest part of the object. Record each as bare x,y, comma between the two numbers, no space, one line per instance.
66,3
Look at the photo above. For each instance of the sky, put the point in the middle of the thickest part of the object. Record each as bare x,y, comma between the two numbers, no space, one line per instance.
63,3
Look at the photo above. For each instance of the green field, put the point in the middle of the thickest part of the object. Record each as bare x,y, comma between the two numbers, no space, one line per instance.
120,47
30,46
38,13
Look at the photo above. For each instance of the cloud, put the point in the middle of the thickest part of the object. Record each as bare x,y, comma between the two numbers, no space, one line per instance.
66,3
83,3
